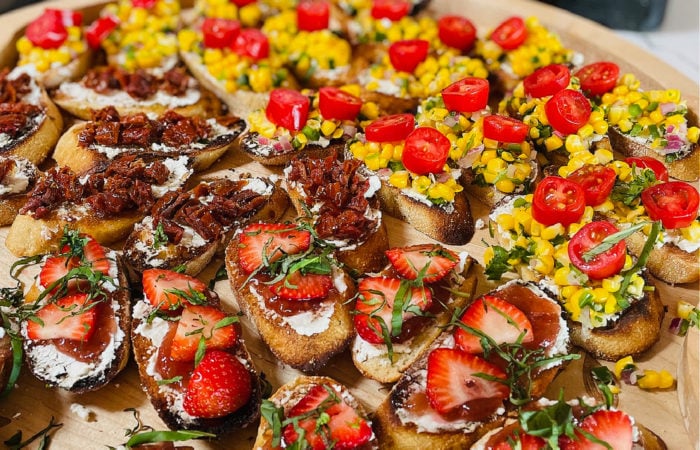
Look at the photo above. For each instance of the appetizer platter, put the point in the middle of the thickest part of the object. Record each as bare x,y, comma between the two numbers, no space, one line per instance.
164,173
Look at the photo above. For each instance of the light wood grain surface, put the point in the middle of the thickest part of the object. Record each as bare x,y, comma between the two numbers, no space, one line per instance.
31,405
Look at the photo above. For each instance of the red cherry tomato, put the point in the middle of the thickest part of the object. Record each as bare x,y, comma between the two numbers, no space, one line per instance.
252,43
99,30
647,162
390,9
241,3
558,200
335,103
406,55
288,108
66,16
146,4
598,78
425,151
312,15
674,203
510,33
547,80
567,111
219,33
466,95
47,31
602,265
390,128
505,129
457,32
597,182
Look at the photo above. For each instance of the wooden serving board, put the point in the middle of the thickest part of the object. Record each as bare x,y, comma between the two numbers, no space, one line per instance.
31,405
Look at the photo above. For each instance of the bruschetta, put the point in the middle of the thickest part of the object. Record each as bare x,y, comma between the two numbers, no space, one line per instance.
17,177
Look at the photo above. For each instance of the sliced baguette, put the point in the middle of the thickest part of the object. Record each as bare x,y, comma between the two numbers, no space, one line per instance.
19,178
50,363
62,73
239,202
288,395
372,360
684,269
269,153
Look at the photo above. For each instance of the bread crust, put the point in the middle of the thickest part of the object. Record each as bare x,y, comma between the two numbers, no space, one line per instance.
72,71
685,267
268,156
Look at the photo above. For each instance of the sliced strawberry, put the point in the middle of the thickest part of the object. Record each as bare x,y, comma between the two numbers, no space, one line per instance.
496,318
303,287
219,385
521,441
56,267
375,306
67,318
166,289
345,429
431,261
264,243
452,381
612,427
197,322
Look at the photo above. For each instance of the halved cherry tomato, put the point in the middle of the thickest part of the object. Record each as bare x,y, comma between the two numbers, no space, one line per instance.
602,265
457,32
47,31
219,33
68,17
547,80
146,4
567,111
647,162
406,55
505,129
288,108
597,182
252,43
674,203
558,200
241,3
99,30
466,95
425,151
335,103
390,9
390,128
312,15
598,78
510,33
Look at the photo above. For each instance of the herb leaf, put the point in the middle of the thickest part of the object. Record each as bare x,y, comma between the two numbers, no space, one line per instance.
149,437
612,240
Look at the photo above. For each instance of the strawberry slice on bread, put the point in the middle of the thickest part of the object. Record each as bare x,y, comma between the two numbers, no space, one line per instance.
429,262
80,251
166,289
202,324
262,244
71,317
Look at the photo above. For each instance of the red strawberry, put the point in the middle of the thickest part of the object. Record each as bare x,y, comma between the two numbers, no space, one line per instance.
56,267
303,287
526,442
164,289
497,318
197,322
375,303
264,243
612,427
219,385
345,429
433,261
452,382
59,323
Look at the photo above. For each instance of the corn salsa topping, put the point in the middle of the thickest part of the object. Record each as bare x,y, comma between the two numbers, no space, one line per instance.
44,59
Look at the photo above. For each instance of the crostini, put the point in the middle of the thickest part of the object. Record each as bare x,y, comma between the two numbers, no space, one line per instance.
186,229
109,135
504,350
17,177
136,92
430,283
296,295
339,202
192,361
76,334
106,203
314,412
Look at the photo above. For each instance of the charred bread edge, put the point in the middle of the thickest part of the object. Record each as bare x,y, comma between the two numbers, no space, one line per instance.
271,157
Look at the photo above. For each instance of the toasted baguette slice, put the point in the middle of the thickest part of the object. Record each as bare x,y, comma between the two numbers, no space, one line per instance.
17,177
175,90
305,339
150,333
62,199
339,201
686,168
230,204
58,74
270,152
685,267
287,396
105,353
72,151
372,360
405,418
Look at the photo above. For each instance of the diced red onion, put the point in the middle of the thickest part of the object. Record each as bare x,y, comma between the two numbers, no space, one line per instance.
349,131
675,325
450,120
666,108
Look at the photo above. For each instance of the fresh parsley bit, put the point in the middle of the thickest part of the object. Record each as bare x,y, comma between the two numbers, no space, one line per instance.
159,237
500,264
629,192
145,434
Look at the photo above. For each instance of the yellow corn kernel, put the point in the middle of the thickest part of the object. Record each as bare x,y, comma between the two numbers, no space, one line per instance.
24,45
568,291
505,185
552,231
574,144
534,132
676,120
604,156
552,143
600,295
585,131
622,364
370,110
487,155
650,380
683,309
42,65
441,191
672,95
496,165
358,150
665,379
488,255
693,134
250,15
628,263
612,284
399,179
506,221
625,125
600,127
421,184
328,127
544,264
